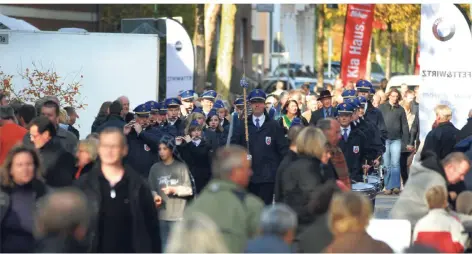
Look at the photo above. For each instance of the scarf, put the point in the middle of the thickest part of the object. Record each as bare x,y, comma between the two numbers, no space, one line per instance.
340,165
287,122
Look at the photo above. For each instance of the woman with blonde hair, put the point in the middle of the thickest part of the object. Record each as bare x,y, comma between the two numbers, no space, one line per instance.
86,155
305,180
196,234
348,217
63,119
21,186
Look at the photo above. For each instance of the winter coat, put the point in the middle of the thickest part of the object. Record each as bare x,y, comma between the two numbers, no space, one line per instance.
145,222
235,211
66,138
58,164
198,159
289,158
142,150
441,230
319,114
268,244
318,230
99,120
411,204
441,139
357,242
112,121
466,131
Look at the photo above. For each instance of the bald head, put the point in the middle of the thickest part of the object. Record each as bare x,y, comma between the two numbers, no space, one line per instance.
62,212
124,103
470,113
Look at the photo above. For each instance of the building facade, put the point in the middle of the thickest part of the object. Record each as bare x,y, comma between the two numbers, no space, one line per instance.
52,17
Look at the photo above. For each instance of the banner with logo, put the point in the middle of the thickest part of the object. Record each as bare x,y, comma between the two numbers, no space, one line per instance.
445,68
356,41
180,59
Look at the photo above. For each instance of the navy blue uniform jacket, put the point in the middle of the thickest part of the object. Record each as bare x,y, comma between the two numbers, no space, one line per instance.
267,145
375,117
142,152
355,153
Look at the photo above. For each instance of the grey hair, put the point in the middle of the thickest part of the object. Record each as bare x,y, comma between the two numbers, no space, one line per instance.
325,124
226,159
278,220
62,212
470,113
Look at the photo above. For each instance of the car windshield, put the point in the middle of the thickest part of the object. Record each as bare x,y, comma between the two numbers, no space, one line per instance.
284,69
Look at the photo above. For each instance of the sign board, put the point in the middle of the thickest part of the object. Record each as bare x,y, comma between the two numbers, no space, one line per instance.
3,38
265,7
445,40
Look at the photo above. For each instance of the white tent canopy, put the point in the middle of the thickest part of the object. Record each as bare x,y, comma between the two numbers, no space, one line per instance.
15,24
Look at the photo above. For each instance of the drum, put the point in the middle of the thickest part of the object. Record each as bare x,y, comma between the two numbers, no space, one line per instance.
375,181
367,189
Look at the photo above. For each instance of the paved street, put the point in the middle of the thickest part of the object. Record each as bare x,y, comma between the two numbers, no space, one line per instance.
383,205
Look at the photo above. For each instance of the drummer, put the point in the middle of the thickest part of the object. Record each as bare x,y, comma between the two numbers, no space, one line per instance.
352,143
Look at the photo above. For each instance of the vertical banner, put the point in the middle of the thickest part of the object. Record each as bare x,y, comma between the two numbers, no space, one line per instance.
180,59
356,41
445,42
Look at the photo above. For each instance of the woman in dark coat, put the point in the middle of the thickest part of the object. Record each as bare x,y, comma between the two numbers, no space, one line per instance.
101,116
290,112
196,152
20,188
305,180
214,125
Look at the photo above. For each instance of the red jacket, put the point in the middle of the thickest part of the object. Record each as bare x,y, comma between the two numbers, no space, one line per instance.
10,135
441,230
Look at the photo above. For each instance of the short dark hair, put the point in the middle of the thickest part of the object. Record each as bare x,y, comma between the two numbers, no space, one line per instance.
116,108
69,110
52,104
27,112
325,124
43,125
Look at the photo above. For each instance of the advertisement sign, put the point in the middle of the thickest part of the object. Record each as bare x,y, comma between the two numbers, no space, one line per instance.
356,41
445,43
180,59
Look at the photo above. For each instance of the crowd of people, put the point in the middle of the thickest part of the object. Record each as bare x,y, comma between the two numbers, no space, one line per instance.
192,174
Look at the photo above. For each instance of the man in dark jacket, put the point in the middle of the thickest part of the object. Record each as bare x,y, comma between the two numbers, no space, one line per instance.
114,119
125,114
326,111
59,164
442,139
398,136
466,131
125,218
72,119
267,146
371,114
143,141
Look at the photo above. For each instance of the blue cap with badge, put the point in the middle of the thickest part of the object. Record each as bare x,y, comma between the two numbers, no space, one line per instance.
362,100
209,95
188,94
354,102
154,106
239,102
348,94
363,85
169,102
257,95
142,110
194,123
219,104
197,110
345,108
212,113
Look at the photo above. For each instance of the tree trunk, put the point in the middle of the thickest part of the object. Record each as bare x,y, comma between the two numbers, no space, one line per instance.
368,67
224,62
388,64
199,42
378,54
211,16
413,52
320,17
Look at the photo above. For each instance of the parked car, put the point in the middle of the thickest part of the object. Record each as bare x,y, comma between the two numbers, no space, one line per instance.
269,84
412,81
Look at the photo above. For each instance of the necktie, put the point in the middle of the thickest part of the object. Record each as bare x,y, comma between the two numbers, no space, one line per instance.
257,123
345,135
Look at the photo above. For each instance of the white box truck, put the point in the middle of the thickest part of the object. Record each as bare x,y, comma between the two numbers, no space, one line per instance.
111,65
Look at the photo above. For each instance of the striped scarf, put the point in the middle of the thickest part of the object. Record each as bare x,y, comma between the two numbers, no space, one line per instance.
340,165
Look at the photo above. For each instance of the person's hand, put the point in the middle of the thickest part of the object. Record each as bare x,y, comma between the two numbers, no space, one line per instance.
342,186
376,163
453,195
410,148
188,139
169,190
365,168
178,140
157,200
138,128
127,129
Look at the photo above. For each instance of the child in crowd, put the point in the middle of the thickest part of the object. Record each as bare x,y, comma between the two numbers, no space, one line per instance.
171,185
440,229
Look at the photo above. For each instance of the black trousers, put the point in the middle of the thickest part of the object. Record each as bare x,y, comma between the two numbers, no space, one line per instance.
264,191
404,166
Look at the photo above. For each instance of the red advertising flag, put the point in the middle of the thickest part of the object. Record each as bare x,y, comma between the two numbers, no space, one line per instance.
356,41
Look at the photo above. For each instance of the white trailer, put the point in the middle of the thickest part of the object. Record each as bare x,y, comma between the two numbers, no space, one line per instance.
111,64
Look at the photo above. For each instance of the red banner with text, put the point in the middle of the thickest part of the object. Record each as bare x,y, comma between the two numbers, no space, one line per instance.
356,41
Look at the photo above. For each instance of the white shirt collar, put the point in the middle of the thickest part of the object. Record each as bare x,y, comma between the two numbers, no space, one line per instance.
348,129
197,142
261,119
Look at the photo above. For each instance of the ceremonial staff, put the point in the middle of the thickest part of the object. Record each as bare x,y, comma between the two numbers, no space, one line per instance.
244,84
